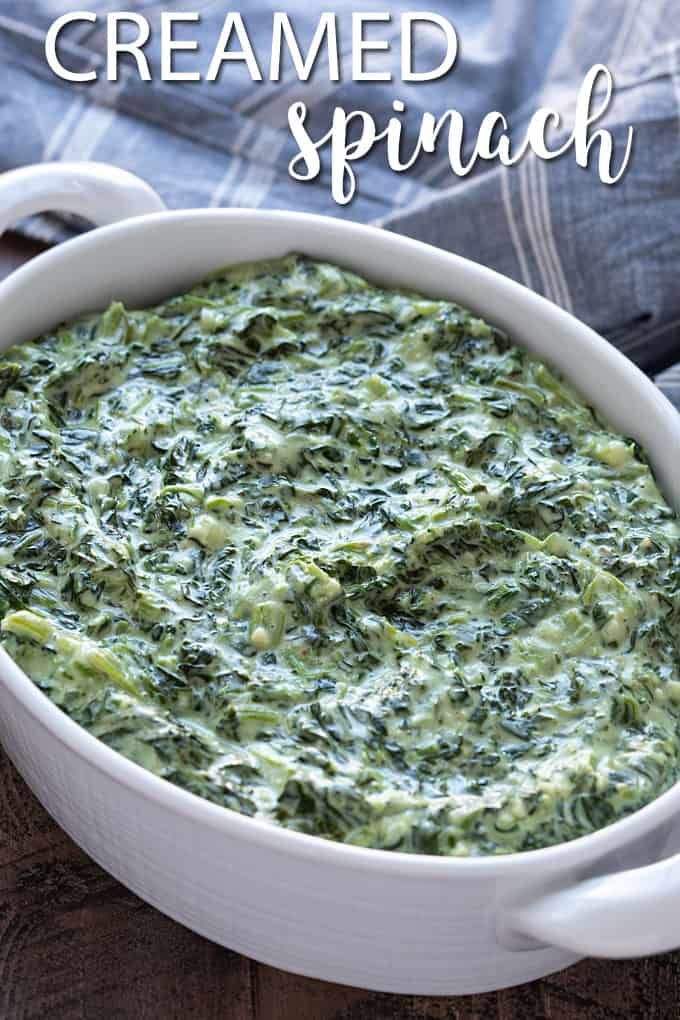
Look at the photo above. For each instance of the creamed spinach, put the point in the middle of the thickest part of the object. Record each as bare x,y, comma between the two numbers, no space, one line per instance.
342,558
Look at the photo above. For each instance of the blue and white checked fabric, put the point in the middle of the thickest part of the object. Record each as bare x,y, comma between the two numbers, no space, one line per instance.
609,254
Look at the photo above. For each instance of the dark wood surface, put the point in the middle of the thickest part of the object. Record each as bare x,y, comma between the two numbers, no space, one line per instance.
75,944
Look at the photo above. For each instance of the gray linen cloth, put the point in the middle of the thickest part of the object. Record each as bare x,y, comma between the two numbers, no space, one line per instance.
609,254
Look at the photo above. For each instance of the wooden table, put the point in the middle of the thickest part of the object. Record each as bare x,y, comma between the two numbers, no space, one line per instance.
75,944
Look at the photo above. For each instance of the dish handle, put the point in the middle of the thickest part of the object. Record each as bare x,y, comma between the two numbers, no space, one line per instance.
626,914
96,191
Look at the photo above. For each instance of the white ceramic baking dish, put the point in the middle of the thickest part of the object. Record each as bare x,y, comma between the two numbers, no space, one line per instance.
399,922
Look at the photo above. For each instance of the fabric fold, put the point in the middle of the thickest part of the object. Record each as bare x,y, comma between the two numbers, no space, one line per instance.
607,254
